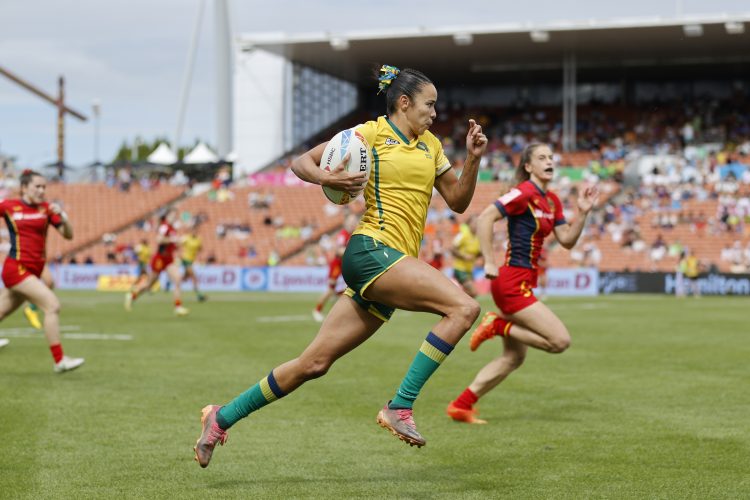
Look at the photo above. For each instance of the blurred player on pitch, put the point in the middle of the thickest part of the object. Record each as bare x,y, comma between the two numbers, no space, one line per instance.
334,265
191,246
163,260
466,250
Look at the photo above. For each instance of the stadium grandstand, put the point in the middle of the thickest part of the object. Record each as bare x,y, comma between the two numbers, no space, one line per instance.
655,111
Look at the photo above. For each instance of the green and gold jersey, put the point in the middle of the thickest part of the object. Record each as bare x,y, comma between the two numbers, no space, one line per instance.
191,245
143,252
466,243
400,186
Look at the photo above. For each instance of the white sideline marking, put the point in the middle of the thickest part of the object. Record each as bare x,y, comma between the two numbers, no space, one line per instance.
284,319
29,333
584,305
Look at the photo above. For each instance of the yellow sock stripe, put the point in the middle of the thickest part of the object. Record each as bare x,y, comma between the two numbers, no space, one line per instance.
266,390
432,352
506,330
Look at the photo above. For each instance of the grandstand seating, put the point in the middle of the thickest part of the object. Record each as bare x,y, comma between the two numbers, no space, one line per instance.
96,209
295,205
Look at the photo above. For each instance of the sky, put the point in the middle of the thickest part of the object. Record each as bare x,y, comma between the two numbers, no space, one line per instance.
131,56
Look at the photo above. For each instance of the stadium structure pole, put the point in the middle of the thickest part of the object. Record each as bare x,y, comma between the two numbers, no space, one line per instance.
222,36
187,77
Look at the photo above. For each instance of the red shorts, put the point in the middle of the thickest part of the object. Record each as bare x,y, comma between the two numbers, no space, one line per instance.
334,271
513,289
160,262
15,272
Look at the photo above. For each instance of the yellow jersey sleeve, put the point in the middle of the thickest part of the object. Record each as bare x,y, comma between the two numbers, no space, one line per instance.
369,131
442,163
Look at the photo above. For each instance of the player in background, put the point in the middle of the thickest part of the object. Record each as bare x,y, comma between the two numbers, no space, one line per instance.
692,271
28,219
163,260
533,212
143,254
381,265
466,250
334,265
191,247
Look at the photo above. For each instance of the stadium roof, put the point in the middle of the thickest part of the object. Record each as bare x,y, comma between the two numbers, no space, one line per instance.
648,47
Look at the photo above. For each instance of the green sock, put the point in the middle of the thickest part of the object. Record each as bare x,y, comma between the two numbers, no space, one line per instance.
264,392
434,350
33,307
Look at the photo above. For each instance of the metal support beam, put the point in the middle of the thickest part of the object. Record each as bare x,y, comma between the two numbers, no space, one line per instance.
569,98
223,54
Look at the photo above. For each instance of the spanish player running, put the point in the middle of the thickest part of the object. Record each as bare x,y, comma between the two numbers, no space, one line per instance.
28,219
163,260
334,265
191,246
380,264
466,250
533,212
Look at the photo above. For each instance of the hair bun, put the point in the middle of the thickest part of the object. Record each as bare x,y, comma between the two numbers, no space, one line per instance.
388,74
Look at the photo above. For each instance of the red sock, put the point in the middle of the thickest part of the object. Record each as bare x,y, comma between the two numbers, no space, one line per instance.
57,352
502,327
319,307
466,400
177,302
134,295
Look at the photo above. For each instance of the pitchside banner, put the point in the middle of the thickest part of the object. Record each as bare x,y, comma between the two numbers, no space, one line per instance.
572,282
83,277
213,279
560,282
667,283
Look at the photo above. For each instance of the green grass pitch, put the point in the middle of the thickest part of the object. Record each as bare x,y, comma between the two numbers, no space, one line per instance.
651,401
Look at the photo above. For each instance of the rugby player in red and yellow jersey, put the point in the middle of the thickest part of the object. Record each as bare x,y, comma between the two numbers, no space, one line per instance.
28,219
163,260
533,212
334,265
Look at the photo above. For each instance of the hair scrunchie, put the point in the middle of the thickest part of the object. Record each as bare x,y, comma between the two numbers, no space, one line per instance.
388,74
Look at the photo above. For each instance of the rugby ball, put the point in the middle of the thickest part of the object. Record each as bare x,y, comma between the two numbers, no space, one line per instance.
346,141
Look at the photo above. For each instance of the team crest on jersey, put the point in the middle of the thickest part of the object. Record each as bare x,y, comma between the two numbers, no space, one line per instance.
551,204
16,208
390,141
421,145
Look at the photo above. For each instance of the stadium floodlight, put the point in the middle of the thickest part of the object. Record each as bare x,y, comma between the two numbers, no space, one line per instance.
693,30
734,27
538,36
338,43
463,39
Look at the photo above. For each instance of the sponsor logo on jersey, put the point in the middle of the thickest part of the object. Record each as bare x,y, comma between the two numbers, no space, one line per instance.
540,214
390,141
510,196
23,216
